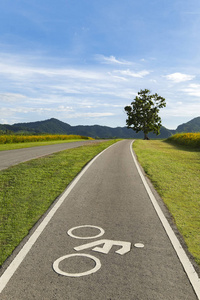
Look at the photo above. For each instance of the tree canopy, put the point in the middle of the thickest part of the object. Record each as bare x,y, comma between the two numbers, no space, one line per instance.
143,113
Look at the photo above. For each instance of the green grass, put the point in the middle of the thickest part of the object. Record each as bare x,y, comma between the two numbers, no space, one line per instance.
175,173
28,189
35,144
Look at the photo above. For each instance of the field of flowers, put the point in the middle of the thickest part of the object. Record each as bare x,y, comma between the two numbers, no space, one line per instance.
186,139
10,139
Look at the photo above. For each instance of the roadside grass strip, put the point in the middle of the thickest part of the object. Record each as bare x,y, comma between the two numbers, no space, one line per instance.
4,147
28,189
175,174
10,142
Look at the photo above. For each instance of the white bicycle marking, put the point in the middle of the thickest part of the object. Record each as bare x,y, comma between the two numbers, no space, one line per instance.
85,237
125,247
59,271
107,245
139,245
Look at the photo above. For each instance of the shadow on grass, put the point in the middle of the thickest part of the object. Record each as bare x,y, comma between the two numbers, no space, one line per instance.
182,147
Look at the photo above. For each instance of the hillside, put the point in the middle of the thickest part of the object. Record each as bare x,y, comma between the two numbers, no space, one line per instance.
48,126
191,126
54,126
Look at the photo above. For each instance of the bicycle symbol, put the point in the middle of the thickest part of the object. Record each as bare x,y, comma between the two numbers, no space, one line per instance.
107,245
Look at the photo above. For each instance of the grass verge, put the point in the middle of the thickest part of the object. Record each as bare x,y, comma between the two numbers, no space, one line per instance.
175,173
28,189
35,144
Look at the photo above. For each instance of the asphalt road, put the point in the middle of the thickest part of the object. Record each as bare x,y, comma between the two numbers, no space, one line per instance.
109,204
9,158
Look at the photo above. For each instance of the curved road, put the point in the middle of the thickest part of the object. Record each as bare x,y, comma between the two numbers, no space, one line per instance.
9,158
101,240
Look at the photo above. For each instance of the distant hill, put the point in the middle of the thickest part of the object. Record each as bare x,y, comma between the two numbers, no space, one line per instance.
191,126
54,126
48,126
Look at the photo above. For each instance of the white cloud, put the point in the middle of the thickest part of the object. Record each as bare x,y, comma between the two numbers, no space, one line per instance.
127,72
112,60
193,90
91,115
182,110
11,97
117,77
179,77
153,80
25,110
51,84
18,70
32,91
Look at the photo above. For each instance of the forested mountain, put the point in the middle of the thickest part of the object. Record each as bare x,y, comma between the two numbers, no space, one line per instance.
48,126
53,126
191,126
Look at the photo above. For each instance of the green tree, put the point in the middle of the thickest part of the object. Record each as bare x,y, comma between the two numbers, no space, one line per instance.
143,113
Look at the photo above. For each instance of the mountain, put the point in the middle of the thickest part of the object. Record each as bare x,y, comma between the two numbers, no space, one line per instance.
191,126
54,126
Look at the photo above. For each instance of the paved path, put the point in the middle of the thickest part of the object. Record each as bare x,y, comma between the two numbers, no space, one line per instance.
101,240
9,158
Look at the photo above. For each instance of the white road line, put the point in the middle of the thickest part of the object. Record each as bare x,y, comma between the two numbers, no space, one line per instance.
6,276
189,269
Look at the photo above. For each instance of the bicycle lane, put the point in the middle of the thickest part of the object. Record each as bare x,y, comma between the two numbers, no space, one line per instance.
106,227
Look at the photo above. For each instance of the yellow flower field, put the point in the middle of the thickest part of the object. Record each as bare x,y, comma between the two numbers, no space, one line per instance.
9,139
186,139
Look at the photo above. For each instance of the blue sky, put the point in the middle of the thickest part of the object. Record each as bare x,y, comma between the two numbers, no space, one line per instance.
83,61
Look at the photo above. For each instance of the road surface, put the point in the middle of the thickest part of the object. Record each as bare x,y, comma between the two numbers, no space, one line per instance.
103,239
9,158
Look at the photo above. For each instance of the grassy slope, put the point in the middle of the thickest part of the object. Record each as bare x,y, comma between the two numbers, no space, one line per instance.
175,173
28,189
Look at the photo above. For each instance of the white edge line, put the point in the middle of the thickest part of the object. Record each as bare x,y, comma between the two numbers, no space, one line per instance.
8,273
187,265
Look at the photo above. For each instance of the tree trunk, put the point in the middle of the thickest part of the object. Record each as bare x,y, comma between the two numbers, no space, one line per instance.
145,136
